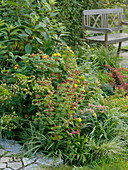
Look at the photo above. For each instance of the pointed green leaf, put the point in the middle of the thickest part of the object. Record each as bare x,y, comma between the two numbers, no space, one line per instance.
12,3
46,36
39,40
28,31
28,48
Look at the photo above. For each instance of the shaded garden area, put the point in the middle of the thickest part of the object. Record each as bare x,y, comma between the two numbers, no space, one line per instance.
58,94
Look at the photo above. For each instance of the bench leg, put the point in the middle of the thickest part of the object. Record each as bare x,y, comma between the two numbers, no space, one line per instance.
106,40
119,47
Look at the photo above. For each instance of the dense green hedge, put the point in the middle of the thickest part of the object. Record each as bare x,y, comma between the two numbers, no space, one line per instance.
29,26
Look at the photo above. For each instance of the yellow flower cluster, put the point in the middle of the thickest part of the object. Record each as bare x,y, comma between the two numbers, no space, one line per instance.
56,55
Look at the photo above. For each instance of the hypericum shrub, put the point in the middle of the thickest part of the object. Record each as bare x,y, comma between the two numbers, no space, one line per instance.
45,83
38,76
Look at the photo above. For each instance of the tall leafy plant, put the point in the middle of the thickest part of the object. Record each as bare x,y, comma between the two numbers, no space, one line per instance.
36,21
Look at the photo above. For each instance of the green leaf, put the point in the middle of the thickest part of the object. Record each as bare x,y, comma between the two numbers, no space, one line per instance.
28,31
60,137
12,3
48,50
39,40
46,36
28,48
16,120
31,109
23,35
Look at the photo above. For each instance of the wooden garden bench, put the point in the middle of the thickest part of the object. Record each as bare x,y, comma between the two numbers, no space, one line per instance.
107,23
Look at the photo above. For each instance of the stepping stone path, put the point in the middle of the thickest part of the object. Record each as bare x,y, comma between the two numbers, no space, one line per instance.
11,158
124,54
124,61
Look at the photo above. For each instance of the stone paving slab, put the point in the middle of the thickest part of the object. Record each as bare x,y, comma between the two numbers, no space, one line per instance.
11,158
124,61
123,54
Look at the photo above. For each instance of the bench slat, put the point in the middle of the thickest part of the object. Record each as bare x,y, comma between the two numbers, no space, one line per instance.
102,11
112,38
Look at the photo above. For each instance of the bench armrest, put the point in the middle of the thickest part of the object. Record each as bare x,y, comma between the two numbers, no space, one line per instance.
124,23
98,29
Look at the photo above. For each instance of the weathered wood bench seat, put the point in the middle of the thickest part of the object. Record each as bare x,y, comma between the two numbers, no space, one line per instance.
105,26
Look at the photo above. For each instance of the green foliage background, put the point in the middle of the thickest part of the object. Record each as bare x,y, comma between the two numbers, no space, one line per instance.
29,26
71,15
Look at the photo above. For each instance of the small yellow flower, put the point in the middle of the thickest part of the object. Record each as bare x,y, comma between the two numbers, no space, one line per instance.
68,47
94,114
75,85
16,67
79,119
71,51
56,55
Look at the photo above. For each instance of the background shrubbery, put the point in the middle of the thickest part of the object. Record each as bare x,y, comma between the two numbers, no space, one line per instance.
29,26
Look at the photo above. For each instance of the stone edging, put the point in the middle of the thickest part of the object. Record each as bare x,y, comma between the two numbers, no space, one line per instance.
11,158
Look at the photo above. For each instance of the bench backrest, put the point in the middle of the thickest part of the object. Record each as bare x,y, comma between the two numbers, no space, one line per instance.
103,18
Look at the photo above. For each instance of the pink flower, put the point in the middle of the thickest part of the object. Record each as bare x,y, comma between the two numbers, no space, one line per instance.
41,52
33,54
75,132
82,111
37,96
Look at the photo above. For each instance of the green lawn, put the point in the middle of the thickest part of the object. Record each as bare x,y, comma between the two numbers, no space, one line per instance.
119,164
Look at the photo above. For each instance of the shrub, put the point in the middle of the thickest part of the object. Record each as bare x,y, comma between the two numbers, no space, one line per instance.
57,107
29,26
54,78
